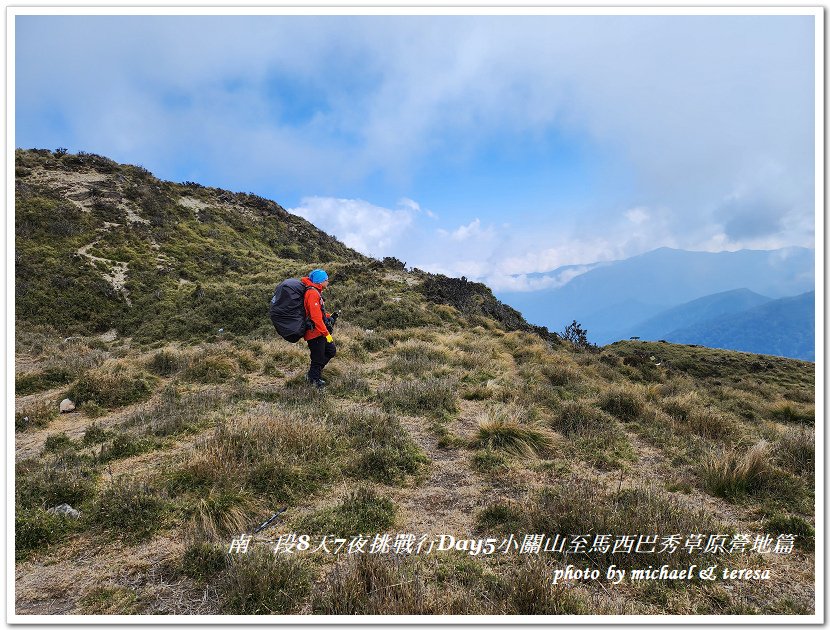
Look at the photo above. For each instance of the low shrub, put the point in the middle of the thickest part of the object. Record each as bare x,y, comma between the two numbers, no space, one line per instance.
94,434
112,386
129,508
430,396
37,529
50,480
36,414
624,403
124,445
792,525
362,511
58,442
262,583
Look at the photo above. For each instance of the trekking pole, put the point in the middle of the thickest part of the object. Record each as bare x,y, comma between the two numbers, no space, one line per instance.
269,521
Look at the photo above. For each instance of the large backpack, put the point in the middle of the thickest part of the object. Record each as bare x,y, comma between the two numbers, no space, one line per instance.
287,311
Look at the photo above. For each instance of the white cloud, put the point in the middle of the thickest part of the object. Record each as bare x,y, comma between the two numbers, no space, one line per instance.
636,215
370,229
523,282
472,230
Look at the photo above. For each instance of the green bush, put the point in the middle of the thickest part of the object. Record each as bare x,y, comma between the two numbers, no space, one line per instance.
58,442
94,434
124,445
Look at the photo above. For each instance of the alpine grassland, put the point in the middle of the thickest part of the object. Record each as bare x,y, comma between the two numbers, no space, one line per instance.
458,462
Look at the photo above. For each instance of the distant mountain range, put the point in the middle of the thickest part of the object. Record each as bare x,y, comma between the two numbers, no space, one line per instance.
784,327
692,295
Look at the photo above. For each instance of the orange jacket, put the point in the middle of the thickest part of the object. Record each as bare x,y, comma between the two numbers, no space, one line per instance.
315,309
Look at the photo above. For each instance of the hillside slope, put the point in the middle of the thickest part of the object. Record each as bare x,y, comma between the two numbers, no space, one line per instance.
784,327
101,245
446,415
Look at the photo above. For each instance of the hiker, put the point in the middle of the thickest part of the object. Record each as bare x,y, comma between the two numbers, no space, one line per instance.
320,343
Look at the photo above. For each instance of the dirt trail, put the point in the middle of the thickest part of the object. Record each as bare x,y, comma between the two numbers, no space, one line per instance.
450,496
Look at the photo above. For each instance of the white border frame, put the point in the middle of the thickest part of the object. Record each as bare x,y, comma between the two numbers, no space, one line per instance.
372,8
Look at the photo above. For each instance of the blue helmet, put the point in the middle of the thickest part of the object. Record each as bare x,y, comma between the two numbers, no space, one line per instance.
318,276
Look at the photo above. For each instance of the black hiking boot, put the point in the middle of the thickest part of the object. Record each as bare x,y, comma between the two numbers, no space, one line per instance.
318,383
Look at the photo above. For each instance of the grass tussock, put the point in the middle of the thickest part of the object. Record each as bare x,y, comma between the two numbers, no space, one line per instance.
796,450
129,508
623,402
282,454
434,397
531,591
362,511
793,413
167,362
110,600
579,417
203,560
503,433
262,583
576,506
210,368
175,413
417,358
112,385
383,449
730,473
373,585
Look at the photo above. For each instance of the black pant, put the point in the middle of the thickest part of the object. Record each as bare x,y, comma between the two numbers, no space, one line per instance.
321,353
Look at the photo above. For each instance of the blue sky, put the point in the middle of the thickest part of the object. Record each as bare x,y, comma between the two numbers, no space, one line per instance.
492,147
